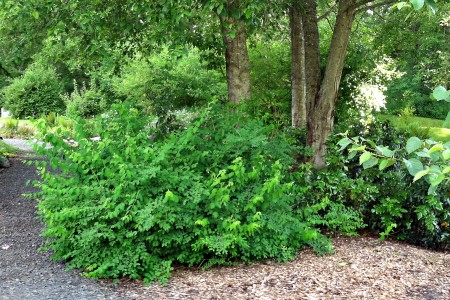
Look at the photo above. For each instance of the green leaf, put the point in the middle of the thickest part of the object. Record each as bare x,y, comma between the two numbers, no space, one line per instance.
431,5
413,144
385,163
370,163
423,154
440,93
352,155
385,151
420,174
437,180
446,154
418,4
35,14
432,189
435,148
400,5
365,157
344,143
446,170
413,165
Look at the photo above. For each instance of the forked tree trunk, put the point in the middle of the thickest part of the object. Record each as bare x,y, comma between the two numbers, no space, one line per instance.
237,61
321,118
298,78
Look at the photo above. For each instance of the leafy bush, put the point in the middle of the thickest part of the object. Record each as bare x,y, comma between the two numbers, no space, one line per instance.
11,124
169,81
9,128
85,102
132,206
410,91
400,207
64,122
35,93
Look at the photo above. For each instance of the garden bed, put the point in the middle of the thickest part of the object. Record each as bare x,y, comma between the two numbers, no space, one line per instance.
361,268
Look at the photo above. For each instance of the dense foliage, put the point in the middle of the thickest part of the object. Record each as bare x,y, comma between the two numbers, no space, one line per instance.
147,170
414,203
36,93
215,192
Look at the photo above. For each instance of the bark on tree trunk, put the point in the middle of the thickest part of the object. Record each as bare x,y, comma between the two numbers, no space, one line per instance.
312,53
298,78
322,114
237,61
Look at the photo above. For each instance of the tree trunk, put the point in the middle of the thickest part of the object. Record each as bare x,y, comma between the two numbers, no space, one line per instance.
321,121
298,78
237,61
312,53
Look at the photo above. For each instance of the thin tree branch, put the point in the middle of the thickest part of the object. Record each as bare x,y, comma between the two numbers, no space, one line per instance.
327,13
383,3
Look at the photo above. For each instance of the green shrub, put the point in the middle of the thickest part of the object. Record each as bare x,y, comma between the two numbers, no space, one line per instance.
64,122
398,206
85,101
169,81
35,93
9,128
411,91
51,119
11,124
213,193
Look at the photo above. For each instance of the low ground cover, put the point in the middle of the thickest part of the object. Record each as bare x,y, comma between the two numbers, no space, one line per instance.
6,150
425,127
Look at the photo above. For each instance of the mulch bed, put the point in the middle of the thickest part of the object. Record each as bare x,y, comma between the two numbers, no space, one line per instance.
361,268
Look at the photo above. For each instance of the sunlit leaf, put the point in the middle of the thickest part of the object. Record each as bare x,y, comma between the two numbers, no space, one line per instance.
440,93
420,174
437,180
413,165
385,163
435,148
370,163
365,157
344,143
413,144
418,4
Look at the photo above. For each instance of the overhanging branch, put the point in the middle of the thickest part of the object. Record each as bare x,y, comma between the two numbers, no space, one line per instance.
327,13
357,6
373,6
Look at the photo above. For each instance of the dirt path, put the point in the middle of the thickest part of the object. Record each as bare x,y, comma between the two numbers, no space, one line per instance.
25,272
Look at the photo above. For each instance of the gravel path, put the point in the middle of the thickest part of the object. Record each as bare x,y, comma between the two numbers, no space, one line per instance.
21,144
25,272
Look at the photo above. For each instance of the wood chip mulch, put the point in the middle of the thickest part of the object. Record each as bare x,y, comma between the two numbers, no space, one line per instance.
361,268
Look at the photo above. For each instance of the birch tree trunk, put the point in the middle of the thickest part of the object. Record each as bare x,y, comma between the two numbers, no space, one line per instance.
298,78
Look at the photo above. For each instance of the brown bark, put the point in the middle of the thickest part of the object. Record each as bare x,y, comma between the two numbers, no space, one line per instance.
237,61
321,118
298,78
312,53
